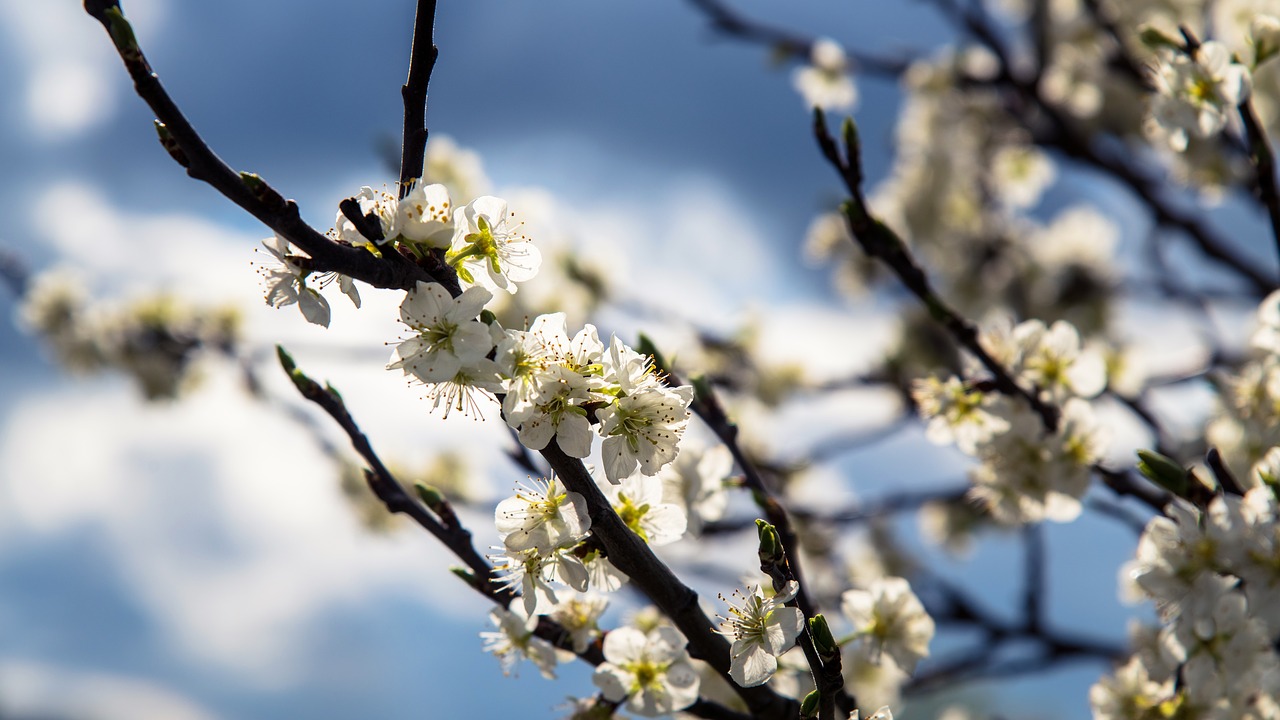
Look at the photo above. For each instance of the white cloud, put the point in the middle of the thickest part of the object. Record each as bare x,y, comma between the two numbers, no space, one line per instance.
73,76
33,689
221,515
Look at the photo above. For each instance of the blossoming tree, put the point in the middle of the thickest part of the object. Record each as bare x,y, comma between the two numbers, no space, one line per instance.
1010,351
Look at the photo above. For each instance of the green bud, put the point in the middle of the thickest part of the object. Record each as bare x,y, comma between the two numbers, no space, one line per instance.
430,496
770,544
820,122
170,144
809,706
261,190
286,360
1163,471
467,576
122,33
852,144
488,318
823,641
334,392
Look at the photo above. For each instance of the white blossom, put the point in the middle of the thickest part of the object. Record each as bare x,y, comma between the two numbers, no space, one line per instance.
425,215
1196,96
825,82
695,481
638,501
488,248
650,670
514,639
579,616
542,515
286,283
956,413
762,629
643,429
890,620
447,335
382,205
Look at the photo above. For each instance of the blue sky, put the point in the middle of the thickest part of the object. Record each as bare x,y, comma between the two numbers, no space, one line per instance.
196,560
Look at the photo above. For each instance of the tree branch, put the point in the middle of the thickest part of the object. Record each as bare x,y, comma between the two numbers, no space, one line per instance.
422,60
250,192
1264,165
652,577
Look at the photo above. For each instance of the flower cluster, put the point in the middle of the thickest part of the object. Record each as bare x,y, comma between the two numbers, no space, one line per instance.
553,385
158,340
1024,474
1197,91
1213,576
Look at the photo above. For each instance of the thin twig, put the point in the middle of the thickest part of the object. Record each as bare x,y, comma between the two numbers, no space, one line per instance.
1264,165
250,192
732,23
422,60
651,576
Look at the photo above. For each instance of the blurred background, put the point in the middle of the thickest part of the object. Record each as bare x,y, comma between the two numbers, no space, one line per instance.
199,558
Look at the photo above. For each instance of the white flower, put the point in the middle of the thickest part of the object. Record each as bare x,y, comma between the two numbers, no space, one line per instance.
1052,360
514,639
695,481
762,629
286,284
533,570
579,617
459,392
425,215
542,515
957,413
1020,174
644,429
557,412
1196,96
1267,336
1026,476
638,501
883,713
380,204
487,248
1129,694
825,82
890,620
447,334
651,671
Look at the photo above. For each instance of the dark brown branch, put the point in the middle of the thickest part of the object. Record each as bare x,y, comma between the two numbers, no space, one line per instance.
251,193
422,60
729,22
441,521
881,243
1264,165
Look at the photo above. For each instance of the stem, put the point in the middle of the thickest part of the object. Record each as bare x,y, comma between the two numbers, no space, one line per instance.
1264,163
422,60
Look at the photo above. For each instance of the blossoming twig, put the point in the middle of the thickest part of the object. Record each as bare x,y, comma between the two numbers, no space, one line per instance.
248,191
633,557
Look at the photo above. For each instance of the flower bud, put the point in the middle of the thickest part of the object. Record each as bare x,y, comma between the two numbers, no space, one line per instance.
770,544
1264,31
823,641
809,706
